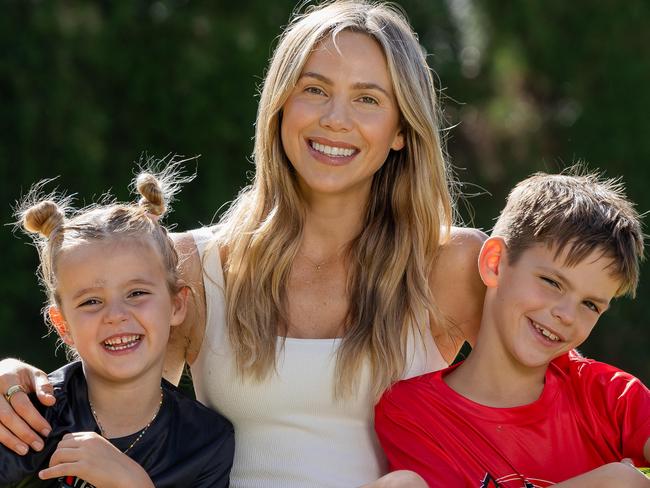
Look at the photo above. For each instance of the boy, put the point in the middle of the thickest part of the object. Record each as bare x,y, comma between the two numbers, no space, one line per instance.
525,409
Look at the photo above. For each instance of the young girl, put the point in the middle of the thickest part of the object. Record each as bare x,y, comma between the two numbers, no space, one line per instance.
111,276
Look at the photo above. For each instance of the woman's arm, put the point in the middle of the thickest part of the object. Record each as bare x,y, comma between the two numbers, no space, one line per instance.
185,339
458,290
398,479
608,476
20,422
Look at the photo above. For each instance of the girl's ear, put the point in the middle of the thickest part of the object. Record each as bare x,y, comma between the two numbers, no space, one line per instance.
179,306
59,323
490,259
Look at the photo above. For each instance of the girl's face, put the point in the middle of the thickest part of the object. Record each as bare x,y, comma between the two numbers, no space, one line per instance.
342,119
116,307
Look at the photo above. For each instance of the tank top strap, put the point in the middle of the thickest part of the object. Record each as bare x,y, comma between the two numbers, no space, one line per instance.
422,354
213,283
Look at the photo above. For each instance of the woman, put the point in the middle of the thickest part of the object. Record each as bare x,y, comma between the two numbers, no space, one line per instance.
337,272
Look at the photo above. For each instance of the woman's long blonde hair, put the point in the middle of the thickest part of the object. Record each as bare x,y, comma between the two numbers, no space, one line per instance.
409,213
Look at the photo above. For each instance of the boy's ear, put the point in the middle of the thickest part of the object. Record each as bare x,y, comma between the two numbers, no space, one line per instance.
59,323
490,259
179,306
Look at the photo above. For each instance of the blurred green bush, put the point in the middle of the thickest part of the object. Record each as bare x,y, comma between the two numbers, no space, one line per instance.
87,87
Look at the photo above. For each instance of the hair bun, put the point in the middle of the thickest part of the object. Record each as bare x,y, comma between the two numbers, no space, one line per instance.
153,197
43,218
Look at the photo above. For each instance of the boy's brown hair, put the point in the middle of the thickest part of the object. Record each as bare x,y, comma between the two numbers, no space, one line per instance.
579,211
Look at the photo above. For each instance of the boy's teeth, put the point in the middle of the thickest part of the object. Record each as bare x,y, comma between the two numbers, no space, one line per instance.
339,152
546,333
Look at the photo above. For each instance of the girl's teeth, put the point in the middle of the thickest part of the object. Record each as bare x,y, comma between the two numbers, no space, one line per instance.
337,152
121,343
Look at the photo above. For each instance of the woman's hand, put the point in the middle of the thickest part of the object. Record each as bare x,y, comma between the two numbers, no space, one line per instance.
609,476
20,422
90,457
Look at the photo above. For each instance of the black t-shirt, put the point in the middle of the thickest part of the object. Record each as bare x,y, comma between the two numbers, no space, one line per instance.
187,445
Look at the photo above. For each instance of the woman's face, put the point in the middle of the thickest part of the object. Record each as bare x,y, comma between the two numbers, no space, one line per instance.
342,119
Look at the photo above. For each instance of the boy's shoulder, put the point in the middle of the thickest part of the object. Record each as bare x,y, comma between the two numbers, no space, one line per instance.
581,372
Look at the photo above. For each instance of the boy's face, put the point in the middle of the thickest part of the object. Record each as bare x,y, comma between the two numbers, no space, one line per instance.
543,308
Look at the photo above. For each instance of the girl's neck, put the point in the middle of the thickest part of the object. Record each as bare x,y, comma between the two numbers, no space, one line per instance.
123,409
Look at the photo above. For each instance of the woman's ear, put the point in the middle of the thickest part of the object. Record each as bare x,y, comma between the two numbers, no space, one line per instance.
398,142
179,306
59,323
490,258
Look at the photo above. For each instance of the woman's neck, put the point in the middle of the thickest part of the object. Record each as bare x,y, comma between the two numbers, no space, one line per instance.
330,224
123,409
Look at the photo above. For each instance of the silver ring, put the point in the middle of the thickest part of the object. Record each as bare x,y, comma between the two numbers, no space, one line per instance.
12,390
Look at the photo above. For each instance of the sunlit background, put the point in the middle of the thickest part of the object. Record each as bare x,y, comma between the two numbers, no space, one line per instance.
87,88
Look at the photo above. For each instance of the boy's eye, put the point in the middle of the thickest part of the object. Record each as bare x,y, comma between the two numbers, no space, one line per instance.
592,306
550,281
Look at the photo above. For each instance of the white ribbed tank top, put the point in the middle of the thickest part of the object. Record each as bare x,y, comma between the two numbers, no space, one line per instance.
290,431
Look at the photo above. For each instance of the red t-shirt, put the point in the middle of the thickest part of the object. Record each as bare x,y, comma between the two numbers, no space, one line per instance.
589,414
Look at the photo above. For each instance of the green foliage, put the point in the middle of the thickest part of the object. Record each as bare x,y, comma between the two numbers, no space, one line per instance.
87,87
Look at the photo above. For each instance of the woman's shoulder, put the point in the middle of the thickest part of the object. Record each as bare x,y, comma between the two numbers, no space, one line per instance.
457,288
193,243
186,339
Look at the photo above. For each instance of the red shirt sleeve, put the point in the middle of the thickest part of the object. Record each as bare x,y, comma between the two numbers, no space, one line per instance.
620,400
408,446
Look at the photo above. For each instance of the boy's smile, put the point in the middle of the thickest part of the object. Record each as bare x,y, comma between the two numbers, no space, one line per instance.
539,307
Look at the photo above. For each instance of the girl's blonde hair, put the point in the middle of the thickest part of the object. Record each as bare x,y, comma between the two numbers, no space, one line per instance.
409,213
54,225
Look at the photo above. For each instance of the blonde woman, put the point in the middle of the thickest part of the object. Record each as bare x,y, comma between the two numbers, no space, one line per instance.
336,273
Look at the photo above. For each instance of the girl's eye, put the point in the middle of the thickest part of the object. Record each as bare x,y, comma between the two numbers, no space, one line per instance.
551,282
369,100
592,306
138,293
90,302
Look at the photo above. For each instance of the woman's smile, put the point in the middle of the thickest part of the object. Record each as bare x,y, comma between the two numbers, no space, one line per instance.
331,152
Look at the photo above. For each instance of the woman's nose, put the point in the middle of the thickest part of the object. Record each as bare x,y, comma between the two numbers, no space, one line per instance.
337,115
